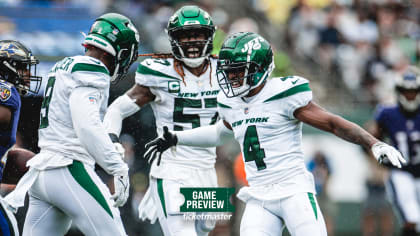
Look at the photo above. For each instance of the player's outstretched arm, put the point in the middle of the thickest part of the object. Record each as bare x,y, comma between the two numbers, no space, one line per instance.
84,110
318,117
205,136
125,106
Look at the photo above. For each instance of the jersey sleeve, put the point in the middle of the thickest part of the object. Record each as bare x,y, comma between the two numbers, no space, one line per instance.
91,132
297,101
9,96
155,73
144,75
90,75
298,94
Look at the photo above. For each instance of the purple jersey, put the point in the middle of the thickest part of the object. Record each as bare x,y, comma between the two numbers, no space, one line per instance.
10,98
404,133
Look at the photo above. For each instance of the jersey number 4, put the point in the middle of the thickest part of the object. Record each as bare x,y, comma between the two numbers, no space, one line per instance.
252,149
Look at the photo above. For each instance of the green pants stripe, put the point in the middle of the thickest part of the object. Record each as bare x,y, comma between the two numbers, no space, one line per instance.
161,195
313,203
81,176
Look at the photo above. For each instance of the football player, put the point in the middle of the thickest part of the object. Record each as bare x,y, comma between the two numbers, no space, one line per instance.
265,116
181,88
17,77
61,182
401,124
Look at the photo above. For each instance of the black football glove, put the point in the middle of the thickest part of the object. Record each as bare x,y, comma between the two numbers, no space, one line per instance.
157,146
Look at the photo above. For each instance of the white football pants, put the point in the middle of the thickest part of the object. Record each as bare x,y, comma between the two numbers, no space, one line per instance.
404,192
73,193
300,213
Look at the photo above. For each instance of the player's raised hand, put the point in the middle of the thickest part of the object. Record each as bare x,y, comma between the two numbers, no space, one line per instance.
121,185
382,150
156,147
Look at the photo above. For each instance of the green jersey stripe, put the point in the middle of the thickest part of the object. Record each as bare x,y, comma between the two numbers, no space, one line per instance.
223,105
161,195
82,177
292,91
313,204
148,71
89,67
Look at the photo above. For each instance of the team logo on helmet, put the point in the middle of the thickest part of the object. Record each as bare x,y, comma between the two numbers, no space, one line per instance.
5,93
10,49
253,44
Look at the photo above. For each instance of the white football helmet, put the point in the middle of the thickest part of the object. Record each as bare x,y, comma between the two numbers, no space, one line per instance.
406,83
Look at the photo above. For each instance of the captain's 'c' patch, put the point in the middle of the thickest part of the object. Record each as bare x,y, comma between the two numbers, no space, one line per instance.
5,93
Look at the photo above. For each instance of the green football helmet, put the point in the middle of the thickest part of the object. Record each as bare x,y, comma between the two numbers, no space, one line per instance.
190,21
248,57
115,34
18,66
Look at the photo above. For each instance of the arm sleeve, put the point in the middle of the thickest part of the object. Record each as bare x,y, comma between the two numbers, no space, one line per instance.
120,109
296,101
91,132
205,136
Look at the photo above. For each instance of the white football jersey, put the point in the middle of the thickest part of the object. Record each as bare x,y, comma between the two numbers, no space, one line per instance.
269,135
56,132
181,105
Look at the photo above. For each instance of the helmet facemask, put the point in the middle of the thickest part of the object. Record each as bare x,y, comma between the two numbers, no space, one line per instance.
192,52
20,68
235,79
408,90
244,76
124,59
409,99
245,62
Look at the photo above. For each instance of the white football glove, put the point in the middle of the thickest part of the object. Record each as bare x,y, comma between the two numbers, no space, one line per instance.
382,150
121,185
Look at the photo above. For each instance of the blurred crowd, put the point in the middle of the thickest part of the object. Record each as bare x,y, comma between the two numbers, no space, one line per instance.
362,43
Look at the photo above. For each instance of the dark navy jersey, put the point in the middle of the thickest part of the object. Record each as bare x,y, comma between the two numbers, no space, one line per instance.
404,134
10,98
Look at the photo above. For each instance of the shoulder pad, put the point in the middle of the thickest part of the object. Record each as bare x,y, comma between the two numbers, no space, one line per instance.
5,91
158,67
88,64
88,71
286,86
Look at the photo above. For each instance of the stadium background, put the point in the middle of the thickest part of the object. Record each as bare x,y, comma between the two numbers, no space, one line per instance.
348,49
